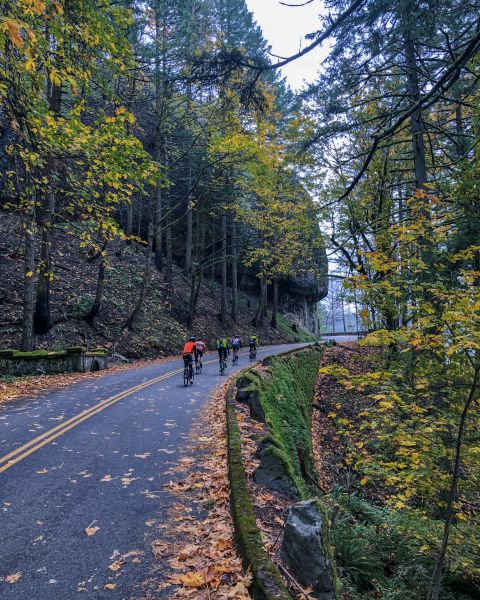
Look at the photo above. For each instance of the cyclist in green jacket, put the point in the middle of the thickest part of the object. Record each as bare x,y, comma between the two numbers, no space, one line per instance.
223,349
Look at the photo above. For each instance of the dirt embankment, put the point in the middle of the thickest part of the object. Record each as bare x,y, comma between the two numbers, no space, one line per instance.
160,327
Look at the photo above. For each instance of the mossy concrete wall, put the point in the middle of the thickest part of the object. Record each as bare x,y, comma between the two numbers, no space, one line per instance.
42,362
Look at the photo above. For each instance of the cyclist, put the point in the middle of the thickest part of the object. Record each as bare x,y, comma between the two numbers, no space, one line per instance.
190,351
253,343
236,346
201,349
223,349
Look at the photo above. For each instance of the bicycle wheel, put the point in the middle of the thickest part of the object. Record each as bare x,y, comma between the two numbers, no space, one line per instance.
222,367
192,376
185,377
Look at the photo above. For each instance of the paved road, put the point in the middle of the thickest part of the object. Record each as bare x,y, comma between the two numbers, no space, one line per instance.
63,470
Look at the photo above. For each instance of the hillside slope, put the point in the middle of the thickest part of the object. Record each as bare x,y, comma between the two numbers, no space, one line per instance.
160,327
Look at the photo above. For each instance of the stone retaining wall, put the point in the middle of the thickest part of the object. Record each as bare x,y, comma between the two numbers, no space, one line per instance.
75,359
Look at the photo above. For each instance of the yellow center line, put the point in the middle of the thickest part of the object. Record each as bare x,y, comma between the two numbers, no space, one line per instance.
45,438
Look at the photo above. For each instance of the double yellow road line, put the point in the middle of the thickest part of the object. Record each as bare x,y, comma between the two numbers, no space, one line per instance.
15,456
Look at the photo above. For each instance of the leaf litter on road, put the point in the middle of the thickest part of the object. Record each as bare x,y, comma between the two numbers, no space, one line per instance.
200,548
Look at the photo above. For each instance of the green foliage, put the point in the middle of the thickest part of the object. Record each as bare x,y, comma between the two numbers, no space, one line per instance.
81,307
374,556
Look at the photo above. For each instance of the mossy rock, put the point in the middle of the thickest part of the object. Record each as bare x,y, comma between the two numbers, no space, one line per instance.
38,355
274,471
307,550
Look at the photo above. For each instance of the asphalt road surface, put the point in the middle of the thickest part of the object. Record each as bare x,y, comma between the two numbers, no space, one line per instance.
94,456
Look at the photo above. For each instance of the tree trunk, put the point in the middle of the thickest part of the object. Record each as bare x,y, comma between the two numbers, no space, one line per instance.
189,238
234,271
28,337
258,318
274,303
158,219
146,277
130,220
265,301
42,317
434,589
159,143
168,242
223,306
95,308
212,266
416,121
196,274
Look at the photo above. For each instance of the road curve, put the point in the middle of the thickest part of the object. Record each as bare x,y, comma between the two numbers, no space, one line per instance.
94,455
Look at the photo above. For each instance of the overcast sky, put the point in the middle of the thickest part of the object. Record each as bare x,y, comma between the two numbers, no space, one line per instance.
285,28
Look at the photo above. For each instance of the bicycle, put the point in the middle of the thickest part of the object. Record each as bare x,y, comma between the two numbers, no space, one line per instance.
199,366
253,354
188,374
223,365
235,358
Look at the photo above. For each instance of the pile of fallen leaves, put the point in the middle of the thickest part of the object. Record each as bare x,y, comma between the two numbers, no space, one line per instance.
270,507
200,548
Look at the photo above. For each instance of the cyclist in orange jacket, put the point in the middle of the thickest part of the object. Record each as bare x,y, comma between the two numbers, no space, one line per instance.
190,351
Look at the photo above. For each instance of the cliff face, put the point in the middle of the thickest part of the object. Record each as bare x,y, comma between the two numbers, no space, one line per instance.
300,295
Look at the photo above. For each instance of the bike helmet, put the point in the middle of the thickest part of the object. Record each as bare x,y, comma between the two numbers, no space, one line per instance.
192,339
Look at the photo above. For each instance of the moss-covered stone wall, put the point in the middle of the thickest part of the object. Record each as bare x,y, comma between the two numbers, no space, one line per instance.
285,386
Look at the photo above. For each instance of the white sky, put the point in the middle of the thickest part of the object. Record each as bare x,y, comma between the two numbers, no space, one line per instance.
285,27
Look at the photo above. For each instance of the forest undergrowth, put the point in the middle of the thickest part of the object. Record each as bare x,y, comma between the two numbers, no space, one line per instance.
384,547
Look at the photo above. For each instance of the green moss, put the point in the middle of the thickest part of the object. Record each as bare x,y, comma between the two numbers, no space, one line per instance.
327,542
7,353
299,336
36,355
76,349
286,398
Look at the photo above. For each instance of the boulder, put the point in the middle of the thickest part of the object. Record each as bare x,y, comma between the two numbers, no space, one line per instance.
273,470
249,396
306,549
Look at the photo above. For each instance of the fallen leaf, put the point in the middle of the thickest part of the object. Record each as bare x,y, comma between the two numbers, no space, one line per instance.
13,578
42,471
92,530
110,586
116,565
106,478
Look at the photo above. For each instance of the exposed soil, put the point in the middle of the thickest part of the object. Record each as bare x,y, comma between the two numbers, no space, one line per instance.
332,397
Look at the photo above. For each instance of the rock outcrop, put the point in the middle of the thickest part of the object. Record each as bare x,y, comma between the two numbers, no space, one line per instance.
306,549
301,294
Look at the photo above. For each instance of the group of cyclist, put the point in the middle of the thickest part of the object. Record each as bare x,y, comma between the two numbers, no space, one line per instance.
194,350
